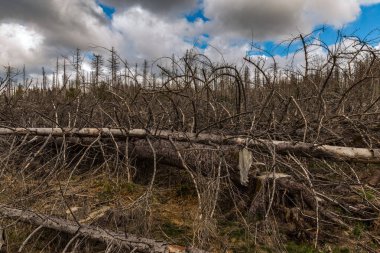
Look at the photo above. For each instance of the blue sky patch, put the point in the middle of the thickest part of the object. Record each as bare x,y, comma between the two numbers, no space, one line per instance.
366,26
108,10
200,42
196,14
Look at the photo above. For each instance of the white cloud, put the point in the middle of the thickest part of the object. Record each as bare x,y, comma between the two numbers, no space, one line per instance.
36,32
223,50
367,2
164,7
135,32
19,44
148,36
336,13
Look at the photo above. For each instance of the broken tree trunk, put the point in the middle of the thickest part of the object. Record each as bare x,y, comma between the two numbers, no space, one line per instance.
122,241
349,154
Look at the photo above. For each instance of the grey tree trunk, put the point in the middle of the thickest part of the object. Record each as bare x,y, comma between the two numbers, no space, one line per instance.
127,242
339,153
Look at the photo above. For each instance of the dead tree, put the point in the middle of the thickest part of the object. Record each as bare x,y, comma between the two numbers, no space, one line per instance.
339,153
97,65
77,63
113,66
121,241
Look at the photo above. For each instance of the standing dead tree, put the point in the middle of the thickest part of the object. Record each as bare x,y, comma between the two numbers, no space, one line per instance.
113,66
77,64
97,65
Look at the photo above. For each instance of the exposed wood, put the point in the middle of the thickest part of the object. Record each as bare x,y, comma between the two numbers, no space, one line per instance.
123,241
2,238
350,154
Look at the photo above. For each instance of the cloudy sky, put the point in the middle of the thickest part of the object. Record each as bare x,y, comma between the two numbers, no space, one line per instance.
35,32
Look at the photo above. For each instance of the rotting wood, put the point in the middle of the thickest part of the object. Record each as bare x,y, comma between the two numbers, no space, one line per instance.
123,241
340,153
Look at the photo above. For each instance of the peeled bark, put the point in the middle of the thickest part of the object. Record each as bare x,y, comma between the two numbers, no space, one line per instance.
339,153
123,241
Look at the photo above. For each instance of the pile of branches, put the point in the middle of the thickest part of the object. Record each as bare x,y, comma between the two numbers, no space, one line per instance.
290,152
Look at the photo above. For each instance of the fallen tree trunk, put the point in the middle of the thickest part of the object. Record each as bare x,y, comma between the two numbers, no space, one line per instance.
121,241
199,157
349,154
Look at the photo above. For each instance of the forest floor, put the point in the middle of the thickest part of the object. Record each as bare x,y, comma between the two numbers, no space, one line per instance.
107,199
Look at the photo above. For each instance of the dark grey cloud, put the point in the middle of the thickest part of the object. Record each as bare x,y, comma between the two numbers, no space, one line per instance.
36,32
271,19
70,23
253,17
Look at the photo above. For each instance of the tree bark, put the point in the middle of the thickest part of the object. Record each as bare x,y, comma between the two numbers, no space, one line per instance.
339,153
123,241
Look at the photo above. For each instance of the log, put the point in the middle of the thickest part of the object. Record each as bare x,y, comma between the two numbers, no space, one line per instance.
339,153
122,241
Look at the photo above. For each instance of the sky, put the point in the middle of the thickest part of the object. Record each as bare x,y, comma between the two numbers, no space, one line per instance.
36,32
